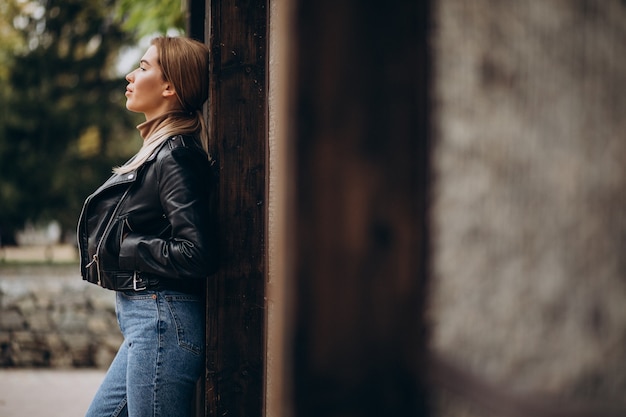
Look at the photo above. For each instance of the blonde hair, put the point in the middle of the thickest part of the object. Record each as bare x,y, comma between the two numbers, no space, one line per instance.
184,63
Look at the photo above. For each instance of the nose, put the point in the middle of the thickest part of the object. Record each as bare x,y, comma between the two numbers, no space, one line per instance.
129,76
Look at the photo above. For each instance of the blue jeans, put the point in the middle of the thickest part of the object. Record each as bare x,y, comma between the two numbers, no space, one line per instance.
155,371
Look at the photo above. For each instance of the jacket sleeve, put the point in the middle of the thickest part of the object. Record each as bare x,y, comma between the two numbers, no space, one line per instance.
189,251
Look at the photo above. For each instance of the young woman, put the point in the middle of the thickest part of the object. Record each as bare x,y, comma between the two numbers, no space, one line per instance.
148,234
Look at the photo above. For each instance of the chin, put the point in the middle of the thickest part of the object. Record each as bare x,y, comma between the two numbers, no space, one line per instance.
130,107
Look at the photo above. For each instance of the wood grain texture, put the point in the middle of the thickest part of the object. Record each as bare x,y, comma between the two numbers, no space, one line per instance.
361,159
237,121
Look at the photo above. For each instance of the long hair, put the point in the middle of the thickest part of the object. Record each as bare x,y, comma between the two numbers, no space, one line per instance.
184,63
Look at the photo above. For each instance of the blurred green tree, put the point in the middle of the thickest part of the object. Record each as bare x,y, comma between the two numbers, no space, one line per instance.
64,123
146,17
10,41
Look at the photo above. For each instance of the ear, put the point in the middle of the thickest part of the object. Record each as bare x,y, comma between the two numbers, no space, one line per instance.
168,91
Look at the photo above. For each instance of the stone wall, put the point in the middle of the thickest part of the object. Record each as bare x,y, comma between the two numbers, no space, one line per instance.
529,209
49,317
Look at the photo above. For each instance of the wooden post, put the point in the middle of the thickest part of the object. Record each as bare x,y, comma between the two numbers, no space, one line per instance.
237,118
360,228
196,19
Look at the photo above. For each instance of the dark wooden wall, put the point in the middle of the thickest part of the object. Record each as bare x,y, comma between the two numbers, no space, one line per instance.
361,163
237,119
360,157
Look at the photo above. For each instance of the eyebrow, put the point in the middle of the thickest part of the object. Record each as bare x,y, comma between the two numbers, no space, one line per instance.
143,61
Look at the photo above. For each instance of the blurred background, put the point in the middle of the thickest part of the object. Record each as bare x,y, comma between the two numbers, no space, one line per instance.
528,201
63,126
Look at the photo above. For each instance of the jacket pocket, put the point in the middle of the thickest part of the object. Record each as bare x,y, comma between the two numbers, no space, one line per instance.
114,239
126,229
166,229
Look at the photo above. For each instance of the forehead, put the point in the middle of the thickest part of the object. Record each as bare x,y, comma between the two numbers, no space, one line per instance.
151,56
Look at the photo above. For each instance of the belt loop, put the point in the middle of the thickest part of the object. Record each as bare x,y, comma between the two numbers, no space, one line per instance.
136,284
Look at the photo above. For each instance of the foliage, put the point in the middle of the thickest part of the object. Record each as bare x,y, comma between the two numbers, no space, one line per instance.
148,17
64,124
10,39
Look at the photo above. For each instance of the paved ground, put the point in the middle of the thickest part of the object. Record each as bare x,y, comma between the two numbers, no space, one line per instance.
49,393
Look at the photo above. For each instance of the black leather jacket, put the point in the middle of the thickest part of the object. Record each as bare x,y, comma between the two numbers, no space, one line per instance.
152,228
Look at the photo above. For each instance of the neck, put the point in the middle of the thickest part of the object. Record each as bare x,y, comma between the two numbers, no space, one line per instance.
147,128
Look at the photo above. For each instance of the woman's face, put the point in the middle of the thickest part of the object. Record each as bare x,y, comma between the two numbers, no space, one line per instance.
147,92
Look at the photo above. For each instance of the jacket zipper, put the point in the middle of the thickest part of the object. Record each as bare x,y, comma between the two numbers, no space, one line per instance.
106,232
95,260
